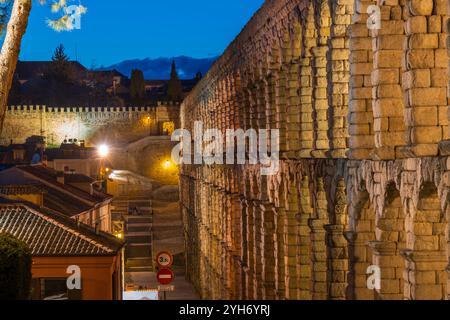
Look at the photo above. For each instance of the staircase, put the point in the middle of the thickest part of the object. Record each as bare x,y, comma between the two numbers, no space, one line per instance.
138,231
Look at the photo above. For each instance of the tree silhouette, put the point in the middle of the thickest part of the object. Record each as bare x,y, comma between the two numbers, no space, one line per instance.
174,89
15,268
137,87
60,69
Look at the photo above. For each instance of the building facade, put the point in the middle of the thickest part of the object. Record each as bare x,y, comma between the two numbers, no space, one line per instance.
359,93
58,244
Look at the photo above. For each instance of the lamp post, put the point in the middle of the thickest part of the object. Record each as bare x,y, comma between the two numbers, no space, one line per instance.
103,152
149,125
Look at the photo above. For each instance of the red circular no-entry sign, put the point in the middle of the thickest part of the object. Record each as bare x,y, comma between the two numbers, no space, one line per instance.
164,260
165,276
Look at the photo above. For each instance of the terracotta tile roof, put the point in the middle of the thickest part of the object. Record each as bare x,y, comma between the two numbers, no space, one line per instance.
50,234
48,175
64,198
17,189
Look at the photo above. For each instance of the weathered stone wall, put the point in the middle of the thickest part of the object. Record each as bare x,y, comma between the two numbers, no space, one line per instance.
149,157
364,178
113,125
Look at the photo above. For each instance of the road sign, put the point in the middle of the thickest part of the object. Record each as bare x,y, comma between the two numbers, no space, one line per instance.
168,288
164,259
165,276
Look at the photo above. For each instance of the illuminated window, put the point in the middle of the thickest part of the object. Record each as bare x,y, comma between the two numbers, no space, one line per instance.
168,127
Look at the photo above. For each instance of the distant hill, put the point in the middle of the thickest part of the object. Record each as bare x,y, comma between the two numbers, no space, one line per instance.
159,69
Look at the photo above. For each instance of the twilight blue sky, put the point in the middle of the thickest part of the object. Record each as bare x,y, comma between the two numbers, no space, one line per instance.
114,30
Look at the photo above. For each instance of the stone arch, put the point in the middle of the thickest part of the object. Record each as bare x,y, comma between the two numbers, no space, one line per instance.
320,218
360,127
446,29
292,70
306,82
426,274
291,230
304,238
337,248
425,80
270,91
260,94
390,241
362,220
338,70
387,95
319,78
279,222
296,40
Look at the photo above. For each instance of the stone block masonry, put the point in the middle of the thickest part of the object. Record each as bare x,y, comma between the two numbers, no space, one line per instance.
364,177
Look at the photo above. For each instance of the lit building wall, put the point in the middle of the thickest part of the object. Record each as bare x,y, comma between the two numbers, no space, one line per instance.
89,124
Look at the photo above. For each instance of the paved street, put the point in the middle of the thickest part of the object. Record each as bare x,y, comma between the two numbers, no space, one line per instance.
183,289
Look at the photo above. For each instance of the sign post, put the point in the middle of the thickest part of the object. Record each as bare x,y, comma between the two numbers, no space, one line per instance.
164,276
164,260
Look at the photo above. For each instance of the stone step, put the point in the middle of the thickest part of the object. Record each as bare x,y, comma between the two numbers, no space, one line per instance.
139,219
139,262
140,204
138,269
141,227
138,250
138,239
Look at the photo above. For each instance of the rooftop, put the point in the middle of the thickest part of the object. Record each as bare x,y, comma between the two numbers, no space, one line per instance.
61,197
50,234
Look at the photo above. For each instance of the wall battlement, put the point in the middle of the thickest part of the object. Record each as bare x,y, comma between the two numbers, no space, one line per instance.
116,125
131,109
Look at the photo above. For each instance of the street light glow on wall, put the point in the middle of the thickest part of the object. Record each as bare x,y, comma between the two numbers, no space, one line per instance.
103,150
167,164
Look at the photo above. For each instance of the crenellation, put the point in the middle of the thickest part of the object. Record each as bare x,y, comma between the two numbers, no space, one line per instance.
82,123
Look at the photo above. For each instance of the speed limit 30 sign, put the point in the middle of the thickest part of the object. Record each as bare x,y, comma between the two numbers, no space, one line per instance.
164,259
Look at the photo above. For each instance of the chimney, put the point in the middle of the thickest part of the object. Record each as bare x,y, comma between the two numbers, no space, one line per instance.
60,177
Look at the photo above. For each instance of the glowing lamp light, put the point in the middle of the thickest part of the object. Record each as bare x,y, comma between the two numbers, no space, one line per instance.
119,235
167,164
103,150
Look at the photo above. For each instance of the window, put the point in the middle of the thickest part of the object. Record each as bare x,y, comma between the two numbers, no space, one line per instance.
168,128
53,289
18,154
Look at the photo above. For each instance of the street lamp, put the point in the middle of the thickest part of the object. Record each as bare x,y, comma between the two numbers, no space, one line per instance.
149,126
167,164
103,151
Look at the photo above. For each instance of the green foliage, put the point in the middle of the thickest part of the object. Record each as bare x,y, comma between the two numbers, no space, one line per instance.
137,87
15,268
174,90
66,21
5,9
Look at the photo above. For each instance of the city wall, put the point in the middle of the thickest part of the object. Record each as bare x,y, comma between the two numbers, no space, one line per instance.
99,124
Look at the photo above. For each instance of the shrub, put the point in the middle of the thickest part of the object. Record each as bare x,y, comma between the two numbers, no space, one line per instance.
15,268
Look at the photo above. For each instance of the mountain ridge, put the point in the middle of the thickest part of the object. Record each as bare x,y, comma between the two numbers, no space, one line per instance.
159,68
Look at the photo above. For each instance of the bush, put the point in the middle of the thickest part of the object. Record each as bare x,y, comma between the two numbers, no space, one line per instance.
15,268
